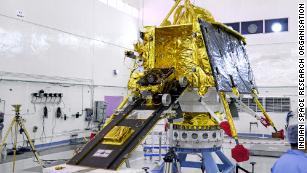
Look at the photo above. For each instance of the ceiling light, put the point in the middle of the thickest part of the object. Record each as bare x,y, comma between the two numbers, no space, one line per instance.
276,27
252,28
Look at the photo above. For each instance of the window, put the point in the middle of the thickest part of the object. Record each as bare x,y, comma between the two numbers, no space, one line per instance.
277,104
245,101
276,25
251,104
285,104
234,26
271,104
261,26
252,27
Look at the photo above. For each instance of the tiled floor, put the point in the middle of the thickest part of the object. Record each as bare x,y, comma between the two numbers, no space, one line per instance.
26,165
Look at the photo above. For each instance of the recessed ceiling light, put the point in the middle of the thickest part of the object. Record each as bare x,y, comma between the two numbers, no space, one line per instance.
276,27
252,28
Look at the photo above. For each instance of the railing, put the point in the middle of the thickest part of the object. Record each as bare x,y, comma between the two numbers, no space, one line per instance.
239,168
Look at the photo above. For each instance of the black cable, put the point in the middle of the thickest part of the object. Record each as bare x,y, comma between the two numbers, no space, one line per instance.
45,112
58,112
45,115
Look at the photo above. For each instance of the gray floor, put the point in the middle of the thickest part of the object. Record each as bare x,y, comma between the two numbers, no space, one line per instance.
42,152
26,164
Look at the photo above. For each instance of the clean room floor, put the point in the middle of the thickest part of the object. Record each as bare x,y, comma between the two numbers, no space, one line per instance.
24,164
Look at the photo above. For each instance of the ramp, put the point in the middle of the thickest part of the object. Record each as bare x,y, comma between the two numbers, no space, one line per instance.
100,154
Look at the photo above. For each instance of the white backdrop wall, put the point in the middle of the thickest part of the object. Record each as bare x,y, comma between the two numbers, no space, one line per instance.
70,38
71,44
75,97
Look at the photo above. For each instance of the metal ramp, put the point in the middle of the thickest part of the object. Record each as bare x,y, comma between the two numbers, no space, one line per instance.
98,154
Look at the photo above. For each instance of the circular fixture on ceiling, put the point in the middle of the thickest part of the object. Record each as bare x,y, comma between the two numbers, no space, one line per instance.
252,28
276,27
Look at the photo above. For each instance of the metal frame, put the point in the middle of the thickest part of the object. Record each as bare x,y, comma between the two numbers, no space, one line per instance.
207,163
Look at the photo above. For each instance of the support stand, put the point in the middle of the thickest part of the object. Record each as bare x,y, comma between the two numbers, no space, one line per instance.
171,162
19,127
174,160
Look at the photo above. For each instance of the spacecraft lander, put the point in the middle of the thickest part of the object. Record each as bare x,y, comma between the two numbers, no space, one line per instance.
196,70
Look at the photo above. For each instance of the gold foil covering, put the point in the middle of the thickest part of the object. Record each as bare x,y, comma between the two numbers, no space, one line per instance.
194,120
118,135
179,45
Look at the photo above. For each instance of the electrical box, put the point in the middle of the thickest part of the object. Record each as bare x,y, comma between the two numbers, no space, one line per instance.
1,122
100,111
88,114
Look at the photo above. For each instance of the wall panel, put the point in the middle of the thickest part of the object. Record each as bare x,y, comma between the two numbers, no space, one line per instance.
27,48
62,41
117,27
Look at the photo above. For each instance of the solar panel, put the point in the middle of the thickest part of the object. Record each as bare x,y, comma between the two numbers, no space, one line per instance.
229,61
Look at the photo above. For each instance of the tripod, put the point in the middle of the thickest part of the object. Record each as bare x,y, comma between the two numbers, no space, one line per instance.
169,159
18,125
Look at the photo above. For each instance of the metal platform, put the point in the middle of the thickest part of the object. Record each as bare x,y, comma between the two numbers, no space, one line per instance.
98,155
206,164
268,150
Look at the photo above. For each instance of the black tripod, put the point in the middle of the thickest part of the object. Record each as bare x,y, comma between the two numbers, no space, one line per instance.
169,159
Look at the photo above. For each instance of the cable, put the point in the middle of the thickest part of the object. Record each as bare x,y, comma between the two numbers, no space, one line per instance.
45,115
43,132
58,113
64,106
45,112
53,128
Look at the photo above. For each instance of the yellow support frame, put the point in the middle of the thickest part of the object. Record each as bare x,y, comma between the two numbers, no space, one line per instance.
266,115
228,115
170,13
